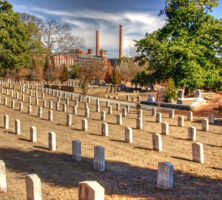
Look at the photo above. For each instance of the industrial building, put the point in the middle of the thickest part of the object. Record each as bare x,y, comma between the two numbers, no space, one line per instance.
80,57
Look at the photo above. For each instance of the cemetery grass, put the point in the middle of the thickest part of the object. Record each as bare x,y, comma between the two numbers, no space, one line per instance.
131,169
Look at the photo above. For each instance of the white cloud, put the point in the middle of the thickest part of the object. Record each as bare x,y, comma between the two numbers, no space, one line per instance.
86,22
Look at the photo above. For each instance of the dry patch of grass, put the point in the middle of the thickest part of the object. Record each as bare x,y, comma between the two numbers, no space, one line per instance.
131,169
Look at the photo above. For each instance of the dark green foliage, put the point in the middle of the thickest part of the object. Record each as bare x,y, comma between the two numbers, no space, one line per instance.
143,78
14,39
188,48
74,71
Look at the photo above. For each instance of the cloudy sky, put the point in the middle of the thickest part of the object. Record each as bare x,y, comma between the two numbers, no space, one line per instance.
86,16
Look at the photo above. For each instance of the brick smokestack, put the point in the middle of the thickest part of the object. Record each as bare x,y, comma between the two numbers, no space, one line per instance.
97,44
121,41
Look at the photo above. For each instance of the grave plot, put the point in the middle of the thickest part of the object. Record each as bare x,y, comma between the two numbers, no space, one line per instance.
139,160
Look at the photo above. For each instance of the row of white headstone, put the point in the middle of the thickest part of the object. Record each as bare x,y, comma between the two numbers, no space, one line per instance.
88,189
157,143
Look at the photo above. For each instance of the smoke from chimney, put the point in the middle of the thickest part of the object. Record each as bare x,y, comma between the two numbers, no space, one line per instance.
121,41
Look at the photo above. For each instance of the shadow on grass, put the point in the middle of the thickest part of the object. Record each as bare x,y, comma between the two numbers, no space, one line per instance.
182,158
94,134
211,145
218,122
23,139
119,177
177,138
143,148
40,147
115,140
216,168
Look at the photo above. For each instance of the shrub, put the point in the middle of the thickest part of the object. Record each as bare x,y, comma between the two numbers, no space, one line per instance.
170,91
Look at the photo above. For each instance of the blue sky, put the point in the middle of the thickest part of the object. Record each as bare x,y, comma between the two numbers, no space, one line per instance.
86,16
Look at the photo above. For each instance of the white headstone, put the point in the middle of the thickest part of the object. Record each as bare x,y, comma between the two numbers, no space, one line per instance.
128,135
139,123
76,150
40,112
181,121
165,175
165,128
153,111
69,120
21,106
140,113
110,110
190,116
157,142
99,158
197,151
75,110
171,114
117,106
33,134
103,115
3,183
211,118
64,108
29,109
6,122
17,127
159,117
119,119
192,133
124,112
84,125
33,187
50,115
52,141
91,190
205,125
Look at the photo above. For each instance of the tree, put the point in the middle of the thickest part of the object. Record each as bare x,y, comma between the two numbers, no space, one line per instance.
108,75
34,26
188,48
58,37
143,78
116,76
128,68
74,71
64,74
92,69
170,92
35,70
14,39
51,73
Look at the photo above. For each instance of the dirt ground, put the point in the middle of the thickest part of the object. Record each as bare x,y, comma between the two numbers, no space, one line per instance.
131,169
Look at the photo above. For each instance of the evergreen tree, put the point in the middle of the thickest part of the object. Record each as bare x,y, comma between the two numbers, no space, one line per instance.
14,39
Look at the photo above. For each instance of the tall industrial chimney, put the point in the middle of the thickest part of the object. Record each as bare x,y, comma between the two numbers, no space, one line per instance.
121,41
97,43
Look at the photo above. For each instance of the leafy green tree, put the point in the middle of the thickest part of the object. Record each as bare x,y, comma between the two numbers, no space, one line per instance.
188,48
14,39
143,78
